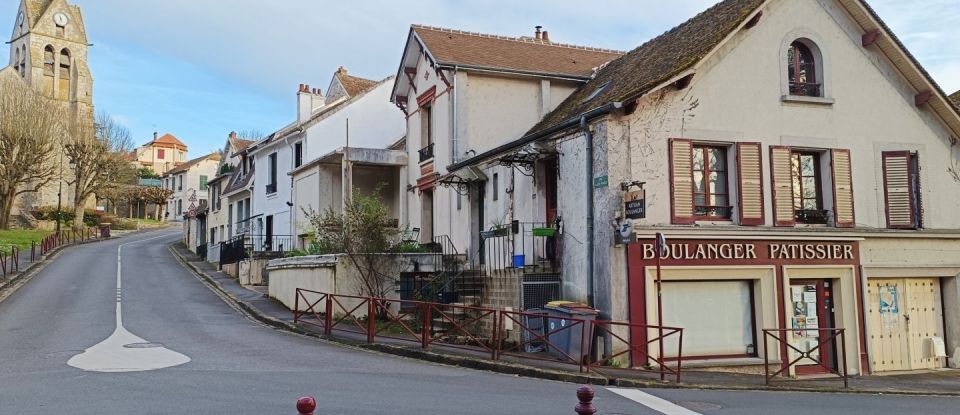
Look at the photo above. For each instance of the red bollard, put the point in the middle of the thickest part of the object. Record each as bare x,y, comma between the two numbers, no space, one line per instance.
585,395
306,405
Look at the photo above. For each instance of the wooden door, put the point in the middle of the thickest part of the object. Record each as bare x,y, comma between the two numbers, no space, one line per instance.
924,319
888,326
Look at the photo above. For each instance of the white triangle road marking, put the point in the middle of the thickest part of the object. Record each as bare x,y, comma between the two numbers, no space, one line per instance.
123,351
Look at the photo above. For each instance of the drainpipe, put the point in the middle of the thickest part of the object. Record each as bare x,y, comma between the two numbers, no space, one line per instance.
585,127
455,142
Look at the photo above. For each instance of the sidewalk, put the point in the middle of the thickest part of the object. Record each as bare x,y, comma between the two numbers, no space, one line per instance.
273,313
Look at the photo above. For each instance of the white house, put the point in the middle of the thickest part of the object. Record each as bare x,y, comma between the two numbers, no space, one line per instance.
188,181
218,221
465,94
353,107
798,160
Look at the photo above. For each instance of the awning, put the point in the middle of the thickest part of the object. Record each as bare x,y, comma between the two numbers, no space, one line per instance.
462,179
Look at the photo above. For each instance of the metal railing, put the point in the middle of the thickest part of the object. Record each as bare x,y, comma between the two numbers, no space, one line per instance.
826,341
426,153
805,89
233,251
11,262
607,329
812,216
271,243
527,246
536,335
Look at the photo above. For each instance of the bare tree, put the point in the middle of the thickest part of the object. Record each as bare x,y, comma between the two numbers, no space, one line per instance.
157,196
29,127
98,157
363,233
251,134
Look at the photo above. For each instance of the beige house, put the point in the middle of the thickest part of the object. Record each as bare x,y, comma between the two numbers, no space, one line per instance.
161,154
465,94
796,157
188,182
216,221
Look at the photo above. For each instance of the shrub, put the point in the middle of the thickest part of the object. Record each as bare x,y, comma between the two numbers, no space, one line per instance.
91,217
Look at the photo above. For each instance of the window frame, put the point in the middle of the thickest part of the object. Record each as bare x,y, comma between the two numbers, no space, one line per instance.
272,173
795,51
702,147
796,172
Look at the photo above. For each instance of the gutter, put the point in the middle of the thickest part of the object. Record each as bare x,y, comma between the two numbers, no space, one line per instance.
581,79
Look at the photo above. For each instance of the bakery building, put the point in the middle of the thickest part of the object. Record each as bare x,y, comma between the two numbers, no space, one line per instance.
796,157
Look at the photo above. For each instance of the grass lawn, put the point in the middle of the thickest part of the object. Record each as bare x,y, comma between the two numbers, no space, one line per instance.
19,238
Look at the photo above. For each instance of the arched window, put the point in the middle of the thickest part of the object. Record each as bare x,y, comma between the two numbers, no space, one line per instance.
64,87
802,70
48,70
23,61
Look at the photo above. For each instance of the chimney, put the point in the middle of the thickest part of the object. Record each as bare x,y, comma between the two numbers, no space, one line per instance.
308,101
342,70
233,135
154,135
536,34
546,37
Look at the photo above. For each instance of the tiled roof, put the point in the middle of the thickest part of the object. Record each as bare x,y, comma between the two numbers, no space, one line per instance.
456,47
238,180
955,98
654,62
352,84
187,165
169,139
243,144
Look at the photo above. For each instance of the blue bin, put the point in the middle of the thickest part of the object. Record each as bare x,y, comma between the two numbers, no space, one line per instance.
518,261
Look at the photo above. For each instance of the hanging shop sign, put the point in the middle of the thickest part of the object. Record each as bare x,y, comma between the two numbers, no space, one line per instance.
635,204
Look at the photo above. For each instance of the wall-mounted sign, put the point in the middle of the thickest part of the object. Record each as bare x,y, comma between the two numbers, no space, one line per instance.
600,181
625,234
635,204
730,250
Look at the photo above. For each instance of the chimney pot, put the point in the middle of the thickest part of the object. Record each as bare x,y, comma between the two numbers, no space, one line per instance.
154,135
342,70
233,134
546,37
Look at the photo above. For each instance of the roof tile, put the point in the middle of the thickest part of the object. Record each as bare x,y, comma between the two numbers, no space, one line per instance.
522,54
654,62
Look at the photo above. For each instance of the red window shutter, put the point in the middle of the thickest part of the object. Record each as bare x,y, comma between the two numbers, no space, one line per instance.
681,181
897,190
750,174
781,177
842,188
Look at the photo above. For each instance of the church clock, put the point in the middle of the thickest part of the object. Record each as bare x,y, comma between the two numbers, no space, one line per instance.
60,19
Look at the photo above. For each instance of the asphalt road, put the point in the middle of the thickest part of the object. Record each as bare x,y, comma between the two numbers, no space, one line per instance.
237,366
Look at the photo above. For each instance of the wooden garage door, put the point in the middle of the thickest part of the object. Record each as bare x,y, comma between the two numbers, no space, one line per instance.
904,313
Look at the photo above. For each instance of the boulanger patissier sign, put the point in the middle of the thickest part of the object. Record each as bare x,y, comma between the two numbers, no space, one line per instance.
721,250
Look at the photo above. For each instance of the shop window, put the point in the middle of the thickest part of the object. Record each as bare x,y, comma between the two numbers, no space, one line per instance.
721,325
711,196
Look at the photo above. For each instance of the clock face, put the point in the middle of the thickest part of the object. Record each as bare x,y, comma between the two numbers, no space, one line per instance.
60,19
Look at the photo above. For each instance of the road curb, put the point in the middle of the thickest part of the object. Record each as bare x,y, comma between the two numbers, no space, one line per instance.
513,368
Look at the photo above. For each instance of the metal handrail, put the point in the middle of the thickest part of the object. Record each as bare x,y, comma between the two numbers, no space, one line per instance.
604,327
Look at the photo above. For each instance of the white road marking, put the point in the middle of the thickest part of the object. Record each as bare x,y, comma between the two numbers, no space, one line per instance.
657,404
123,351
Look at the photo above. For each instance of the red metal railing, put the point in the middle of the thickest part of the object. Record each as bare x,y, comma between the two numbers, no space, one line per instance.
10,264
607,328
826,338
537,336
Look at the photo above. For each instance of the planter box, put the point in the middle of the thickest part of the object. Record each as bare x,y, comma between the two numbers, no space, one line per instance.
544,232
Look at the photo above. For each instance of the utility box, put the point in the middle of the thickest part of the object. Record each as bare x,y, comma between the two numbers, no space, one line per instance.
104,230
569,340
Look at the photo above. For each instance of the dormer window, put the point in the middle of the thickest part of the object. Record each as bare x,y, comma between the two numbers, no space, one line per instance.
802,69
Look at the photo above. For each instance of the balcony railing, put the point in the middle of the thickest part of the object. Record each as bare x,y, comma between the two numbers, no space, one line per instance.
813,216
426,153
530,247
271,243
713,212
804,89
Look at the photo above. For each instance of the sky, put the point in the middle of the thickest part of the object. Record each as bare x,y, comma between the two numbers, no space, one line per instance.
199,69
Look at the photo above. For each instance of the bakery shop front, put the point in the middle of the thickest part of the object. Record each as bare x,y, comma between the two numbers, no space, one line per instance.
725,292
